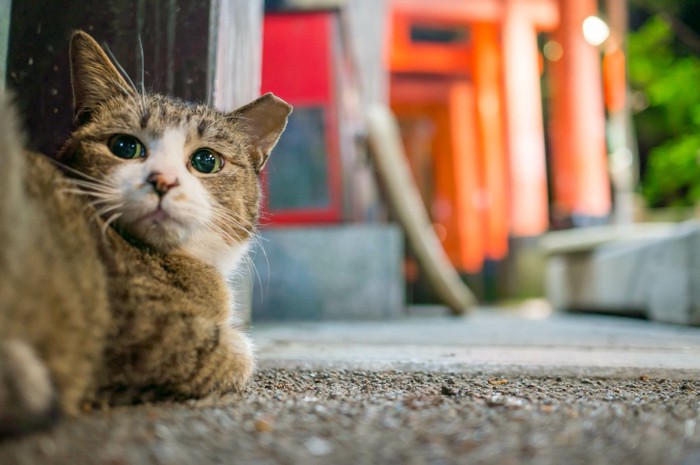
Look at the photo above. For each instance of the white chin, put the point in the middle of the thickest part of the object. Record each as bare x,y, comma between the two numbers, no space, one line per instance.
162,235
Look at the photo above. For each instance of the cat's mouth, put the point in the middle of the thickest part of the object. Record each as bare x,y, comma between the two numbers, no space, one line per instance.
157,216
160,217
158,228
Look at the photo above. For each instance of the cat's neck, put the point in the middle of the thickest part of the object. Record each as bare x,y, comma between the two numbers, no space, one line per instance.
206,247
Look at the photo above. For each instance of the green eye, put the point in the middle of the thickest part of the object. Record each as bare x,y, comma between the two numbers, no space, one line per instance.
127,147
206,161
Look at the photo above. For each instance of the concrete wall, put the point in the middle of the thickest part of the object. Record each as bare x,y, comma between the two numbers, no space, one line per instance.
335,273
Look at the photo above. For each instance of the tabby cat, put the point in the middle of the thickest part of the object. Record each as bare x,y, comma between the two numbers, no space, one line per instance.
113,257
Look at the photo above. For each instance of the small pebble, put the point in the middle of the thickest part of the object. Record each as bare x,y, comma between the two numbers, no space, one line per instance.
448,390
318,447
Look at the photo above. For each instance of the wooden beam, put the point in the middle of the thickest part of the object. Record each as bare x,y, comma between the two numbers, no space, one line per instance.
451,10
542,13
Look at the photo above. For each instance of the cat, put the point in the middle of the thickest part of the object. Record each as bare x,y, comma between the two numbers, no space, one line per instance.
113,258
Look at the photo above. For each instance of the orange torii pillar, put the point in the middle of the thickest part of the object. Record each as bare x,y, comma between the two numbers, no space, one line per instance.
525,129
467,209
488,79
579,166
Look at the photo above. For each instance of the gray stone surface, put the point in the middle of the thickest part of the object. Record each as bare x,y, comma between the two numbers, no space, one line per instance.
657,277
529,339
332,273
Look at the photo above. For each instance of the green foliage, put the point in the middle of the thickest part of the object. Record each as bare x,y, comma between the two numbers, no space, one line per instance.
670,125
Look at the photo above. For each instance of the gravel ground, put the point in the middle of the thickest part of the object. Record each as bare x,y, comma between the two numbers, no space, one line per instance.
357,417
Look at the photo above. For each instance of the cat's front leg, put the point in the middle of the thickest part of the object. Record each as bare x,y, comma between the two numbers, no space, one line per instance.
224,367
176,355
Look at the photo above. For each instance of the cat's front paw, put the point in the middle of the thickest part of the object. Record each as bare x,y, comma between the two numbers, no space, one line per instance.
27,398
227,367
241,360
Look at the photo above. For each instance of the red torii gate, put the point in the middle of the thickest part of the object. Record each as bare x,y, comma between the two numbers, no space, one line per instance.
482,93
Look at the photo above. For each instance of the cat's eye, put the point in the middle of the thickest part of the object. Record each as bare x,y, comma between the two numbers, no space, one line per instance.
206,161
127,147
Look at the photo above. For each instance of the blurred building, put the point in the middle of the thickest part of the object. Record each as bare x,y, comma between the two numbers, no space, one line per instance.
500,103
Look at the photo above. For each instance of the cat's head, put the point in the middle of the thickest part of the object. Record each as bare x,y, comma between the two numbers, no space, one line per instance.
172,175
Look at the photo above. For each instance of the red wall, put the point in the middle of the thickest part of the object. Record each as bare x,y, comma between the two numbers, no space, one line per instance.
298,65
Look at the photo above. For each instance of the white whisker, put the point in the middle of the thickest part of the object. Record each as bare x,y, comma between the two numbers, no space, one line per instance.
109,221
98,195
226,216
256,274
220,231
96,204
109,208
103,188
74,171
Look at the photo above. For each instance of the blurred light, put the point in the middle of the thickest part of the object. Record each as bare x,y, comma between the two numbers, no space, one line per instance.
595,31
536,309
552,50
639,101
622,158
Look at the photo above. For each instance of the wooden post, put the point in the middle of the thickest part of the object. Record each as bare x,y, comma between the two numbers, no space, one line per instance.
236,33
466,171
5,13
488,82
366,34
529,203
624,158
581,186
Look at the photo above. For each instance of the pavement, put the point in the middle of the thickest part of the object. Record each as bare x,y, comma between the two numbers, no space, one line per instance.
525,339
520,385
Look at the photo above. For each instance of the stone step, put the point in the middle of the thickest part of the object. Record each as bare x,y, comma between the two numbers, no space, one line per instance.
651,270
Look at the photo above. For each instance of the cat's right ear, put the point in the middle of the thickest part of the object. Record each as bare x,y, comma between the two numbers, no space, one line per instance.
93,76
263,122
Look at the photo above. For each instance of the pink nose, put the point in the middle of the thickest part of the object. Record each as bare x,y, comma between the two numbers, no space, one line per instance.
162,183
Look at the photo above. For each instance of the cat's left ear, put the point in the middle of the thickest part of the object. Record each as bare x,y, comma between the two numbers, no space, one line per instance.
263,122
94,78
